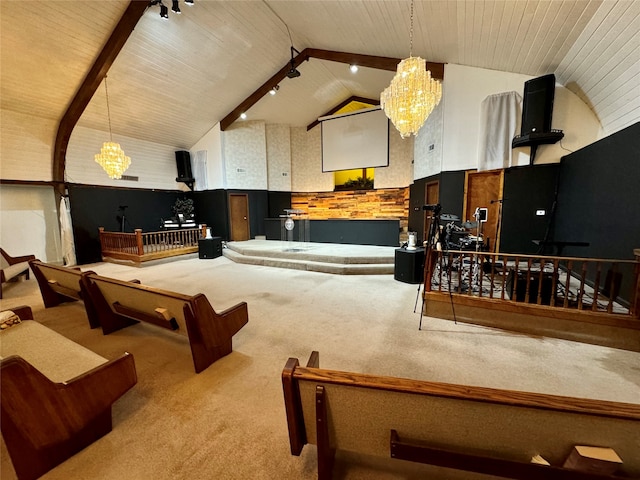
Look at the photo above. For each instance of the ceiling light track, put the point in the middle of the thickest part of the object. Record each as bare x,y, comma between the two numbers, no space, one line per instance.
164,10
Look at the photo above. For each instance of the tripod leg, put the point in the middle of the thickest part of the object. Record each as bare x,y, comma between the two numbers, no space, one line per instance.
417,295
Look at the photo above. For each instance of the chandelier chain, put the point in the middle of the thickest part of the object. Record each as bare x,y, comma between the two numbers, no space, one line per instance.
411,33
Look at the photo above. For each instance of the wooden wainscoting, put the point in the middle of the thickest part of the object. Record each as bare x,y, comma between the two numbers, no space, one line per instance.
361,204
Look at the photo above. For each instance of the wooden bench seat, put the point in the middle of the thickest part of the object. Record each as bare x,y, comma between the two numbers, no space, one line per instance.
490,431
13,267
60,284
119,304
56,395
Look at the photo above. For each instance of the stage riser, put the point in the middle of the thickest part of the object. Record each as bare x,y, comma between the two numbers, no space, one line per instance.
345,260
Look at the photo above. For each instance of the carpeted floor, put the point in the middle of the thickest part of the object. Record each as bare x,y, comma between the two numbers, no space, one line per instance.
228,422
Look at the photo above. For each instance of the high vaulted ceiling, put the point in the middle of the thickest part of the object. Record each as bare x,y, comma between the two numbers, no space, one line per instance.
175,79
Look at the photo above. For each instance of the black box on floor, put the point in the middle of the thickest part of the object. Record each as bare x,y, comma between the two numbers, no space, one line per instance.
210,247
516,287
409,266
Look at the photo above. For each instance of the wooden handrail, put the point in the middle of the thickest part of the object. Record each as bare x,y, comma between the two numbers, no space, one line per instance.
559,282
140,246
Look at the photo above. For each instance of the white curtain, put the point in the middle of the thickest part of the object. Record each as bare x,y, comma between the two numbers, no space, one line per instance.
499,120
200,170
66,233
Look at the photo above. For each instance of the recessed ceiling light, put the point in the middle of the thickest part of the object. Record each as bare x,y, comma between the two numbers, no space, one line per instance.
243,116
353,68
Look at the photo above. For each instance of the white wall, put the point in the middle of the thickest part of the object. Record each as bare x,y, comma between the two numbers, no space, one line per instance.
154,164
428,145
279,157
464,89
29,220
211,142
245,156
306,162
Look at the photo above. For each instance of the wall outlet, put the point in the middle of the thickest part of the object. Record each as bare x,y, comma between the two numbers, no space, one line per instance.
240,170
541,213
285,174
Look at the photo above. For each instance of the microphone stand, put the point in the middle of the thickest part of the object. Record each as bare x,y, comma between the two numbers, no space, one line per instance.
495,240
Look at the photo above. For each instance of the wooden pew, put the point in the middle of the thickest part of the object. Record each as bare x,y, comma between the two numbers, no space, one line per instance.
119,304
62,284
484,430
13,267
56,395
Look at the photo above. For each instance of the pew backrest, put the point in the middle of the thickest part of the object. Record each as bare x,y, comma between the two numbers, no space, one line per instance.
119,304
63,280
141,302
365,409
59,284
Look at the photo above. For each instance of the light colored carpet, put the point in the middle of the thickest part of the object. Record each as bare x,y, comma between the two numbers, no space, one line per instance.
228,422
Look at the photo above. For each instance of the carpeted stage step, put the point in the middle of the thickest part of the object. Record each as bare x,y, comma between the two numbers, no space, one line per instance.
317,257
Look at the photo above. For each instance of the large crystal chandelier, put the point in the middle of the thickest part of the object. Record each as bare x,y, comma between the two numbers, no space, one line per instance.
412,94
111,157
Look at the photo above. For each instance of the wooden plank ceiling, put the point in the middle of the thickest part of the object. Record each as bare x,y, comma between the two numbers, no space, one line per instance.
175,79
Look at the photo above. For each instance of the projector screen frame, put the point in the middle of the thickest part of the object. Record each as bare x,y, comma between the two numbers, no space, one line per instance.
381,160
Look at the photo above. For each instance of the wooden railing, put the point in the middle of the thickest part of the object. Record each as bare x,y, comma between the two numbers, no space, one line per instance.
582,284
138,247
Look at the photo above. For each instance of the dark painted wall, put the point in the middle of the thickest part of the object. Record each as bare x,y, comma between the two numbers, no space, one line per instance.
278,202
527,190
598,198
211,207
452,192
93,207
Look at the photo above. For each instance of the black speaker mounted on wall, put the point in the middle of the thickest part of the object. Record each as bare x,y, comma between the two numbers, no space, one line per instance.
537,112
183,162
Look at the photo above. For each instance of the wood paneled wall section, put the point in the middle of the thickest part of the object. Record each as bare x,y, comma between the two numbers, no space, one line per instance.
361,204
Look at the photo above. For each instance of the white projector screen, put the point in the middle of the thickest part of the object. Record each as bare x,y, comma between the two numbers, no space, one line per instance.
355,140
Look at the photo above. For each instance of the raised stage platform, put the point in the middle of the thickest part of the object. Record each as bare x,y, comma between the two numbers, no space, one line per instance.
342,259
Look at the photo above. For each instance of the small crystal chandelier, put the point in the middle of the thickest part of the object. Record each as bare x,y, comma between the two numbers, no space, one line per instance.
111,157
412,94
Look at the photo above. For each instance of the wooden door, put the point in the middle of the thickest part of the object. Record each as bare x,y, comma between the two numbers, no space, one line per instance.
239,216
481,189
431,197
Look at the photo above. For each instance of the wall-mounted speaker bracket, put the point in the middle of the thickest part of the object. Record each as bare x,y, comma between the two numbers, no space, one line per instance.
534,139
189,182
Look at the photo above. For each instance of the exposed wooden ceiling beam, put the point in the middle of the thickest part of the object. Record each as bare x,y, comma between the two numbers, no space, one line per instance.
371,61
90,84
369,101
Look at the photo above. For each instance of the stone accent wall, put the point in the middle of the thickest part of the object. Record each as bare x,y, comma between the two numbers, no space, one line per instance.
384,203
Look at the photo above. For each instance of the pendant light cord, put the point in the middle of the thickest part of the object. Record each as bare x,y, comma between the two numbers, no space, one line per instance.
108,110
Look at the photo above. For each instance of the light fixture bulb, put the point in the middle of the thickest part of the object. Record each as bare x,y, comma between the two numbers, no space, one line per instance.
274,90
353,68
243,116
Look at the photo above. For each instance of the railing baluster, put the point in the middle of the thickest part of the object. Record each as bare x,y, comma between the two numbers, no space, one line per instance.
612,289
567,285
596,287
583,276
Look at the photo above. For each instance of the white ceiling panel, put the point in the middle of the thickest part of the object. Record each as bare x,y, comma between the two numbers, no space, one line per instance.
175,79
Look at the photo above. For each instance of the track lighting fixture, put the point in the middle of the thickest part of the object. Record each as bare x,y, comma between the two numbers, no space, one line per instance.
274,90
175,7
293,72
